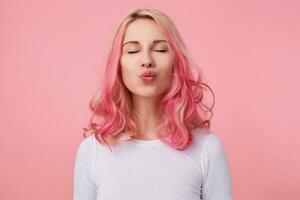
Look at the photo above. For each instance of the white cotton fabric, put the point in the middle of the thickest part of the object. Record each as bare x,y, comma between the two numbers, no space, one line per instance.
152,170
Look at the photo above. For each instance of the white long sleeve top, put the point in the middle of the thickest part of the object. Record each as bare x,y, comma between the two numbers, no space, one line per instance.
152,170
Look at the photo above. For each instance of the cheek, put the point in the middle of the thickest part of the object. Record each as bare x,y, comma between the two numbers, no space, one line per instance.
165,60
125,66
126,73
168,75
128,67
168,68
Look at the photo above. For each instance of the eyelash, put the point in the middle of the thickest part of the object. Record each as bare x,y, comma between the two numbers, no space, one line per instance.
163,51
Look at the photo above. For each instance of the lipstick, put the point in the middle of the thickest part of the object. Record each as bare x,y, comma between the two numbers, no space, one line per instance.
148,76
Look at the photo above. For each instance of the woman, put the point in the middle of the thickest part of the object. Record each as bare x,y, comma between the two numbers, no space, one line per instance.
151,111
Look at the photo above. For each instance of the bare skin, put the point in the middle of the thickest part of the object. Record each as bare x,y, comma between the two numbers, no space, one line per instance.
137,57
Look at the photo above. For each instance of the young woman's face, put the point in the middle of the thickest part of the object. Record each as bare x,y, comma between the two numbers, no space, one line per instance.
145,48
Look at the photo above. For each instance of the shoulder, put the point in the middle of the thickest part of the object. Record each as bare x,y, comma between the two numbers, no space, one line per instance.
213,151
87,142
206,144
86,146
214,146
207,139
207,149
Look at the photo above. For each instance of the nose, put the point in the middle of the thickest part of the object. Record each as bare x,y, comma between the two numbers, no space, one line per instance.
147,64
147,61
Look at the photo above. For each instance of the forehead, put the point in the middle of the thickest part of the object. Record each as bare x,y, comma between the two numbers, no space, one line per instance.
144,30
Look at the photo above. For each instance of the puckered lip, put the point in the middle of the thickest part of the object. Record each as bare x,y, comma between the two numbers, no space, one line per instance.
148,73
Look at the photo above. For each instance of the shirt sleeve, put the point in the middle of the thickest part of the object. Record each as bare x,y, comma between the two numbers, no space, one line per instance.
83,187
217,179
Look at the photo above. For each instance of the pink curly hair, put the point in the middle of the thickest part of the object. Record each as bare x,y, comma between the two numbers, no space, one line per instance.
182,105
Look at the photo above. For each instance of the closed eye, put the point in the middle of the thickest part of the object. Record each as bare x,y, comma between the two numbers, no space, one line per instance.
161,50
131,52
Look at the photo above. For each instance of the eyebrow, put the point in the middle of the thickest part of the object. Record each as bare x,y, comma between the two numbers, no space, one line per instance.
136,42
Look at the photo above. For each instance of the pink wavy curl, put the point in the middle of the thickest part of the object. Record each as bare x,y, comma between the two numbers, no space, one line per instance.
183,104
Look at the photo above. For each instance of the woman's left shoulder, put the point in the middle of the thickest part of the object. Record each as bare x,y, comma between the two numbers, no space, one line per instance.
207,140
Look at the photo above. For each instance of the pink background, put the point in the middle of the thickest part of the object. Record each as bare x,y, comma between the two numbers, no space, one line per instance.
52,53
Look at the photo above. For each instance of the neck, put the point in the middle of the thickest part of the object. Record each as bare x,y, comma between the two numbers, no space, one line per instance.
147,116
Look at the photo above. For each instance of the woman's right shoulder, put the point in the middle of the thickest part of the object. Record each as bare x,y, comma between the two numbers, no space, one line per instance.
91,143
87,144
88,140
